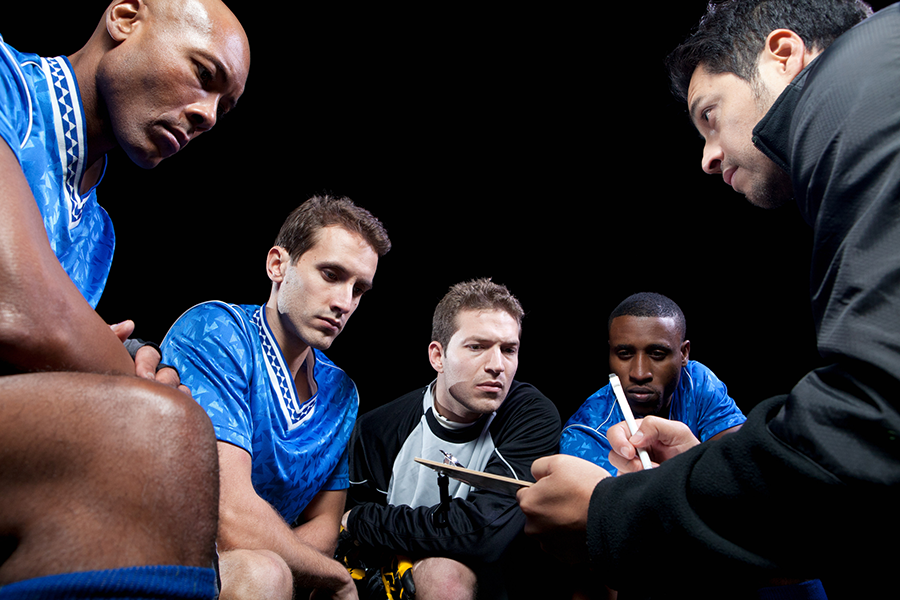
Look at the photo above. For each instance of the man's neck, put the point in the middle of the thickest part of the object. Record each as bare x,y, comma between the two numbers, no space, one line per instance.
99,140
294,350
442,410
295,353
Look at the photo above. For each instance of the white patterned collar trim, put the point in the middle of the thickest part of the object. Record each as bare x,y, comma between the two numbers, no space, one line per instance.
295,413
68,120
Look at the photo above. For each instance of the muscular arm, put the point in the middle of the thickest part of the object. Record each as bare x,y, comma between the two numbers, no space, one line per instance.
45,323
246,521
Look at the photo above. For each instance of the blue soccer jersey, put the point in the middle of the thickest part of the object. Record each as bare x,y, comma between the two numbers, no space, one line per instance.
42,121
700,401
229,359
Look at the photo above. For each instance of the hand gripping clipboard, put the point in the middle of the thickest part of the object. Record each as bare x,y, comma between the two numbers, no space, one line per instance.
477,479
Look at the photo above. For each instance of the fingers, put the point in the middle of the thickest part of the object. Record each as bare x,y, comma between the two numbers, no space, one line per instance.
662,438
168,376
123,330
620,440
146,361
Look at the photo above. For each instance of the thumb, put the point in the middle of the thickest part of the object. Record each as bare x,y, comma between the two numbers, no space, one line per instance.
123,330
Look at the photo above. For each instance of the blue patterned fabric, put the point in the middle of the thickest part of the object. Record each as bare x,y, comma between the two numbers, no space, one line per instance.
700,401
229,359
42,121
133,583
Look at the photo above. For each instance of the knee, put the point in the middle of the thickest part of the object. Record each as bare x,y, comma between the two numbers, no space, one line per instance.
172,444
254,574
439,578
118,459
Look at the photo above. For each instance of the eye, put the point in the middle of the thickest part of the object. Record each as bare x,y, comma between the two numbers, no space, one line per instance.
204,75
708,117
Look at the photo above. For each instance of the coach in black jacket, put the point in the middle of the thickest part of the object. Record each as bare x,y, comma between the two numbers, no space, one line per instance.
814,475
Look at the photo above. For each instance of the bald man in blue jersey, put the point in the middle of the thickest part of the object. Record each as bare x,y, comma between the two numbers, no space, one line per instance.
102,473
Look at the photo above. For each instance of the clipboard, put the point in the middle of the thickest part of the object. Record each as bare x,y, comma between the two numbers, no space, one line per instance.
477,479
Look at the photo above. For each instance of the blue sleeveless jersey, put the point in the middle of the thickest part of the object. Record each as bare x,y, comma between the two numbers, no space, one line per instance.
229,359
42,121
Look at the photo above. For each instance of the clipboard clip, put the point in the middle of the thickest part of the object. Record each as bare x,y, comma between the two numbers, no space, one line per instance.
440,516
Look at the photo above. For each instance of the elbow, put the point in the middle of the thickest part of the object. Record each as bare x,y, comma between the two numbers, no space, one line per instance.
28,334
229,536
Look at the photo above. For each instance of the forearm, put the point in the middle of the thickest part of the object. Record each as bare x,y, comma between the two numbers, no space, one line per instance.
258,526
45,322
319,535
64,334
477,532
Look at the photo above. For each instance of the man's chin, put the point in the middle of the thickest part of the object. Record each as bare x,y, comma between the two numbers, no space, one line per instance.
322,342
773,193
145,161
642,409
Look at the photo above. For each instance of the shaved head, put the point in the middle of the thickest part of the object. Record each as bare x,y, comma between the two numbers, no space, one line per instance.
158,73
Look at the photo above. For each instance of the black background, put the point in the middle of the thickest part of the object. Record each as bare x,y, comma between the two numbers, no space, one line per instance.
540,147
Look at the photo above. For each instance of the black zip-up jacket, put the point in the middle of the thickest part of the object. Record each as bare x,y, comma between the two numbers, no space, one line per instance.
810,486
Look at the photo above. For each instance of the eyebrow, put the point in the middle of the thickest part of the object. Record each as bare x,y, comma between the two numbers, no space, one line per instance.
477,337
659,347
650,347
693,109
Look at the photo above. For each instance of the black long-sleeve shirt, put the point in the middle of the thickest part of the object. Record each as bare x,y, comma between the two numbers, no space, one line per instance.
482,523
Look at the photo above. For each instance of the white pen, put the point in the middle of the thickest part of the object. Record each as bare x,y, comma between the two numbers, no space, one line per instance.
629,418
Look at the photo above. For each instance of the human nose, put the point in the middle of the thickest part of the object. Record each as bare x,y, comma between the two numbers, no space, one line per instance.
203,114
343,300
639,370
712,157
494,361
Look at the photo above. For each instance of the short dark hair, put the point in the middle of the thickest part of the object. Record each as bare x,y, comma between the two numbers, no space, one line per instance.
477,294
300,230
649,304
732,34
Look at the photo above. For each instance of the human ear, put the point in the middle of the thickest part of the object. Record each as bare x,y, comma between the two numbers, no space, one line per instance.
277,261
436,356
685,352
122,18
785,53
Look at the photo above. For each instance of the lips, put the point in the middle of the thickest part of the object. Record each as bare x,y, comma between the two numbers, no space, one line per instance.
174,139
490,386
331,323
641,394
728,175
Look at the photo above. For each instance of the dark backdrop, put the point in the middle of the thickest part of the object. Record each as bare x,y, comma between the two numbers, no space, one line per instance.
539,147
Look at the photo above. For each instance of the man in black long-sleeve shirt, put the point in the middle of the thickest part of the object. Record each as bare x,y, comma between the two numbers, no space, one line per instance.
477,412
814,474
